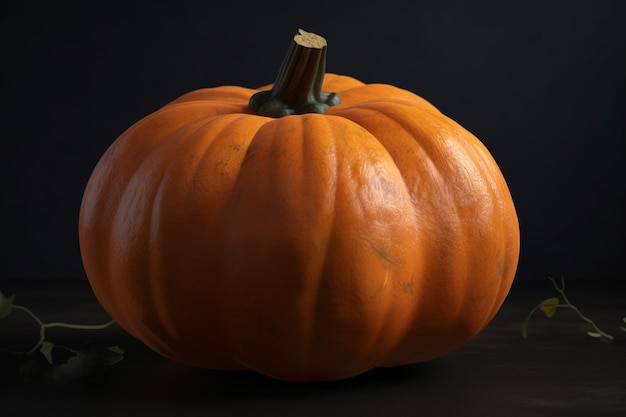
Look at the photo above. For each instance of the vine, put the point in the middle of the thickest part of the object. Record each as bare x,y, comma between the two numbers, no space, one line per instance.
550,305
88,359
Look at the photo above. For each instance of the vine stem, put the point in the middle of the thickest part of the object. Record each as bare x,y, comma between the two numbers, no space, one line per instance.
525,324
568,304
43,326
561,290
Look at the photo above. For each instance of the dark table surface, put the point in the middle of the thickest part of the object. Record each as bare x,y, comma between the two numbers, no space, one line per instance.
557,371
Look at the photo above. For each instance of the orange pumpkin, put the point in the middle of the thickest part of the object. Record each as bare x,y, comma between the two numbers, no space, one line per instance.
307,247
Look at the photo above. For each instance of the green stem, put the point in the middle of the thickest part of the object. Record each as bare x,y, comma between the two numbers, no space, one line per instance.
525,324
561,291
298,86
81,326
42,329
568,304
44,326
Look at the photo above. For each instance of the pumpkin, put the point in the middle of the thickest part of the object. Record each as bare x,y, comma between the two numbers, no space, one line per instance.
301,234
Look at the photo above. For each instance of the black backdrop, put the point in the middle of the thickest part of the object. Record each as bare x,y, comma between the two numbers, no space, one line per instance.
539,82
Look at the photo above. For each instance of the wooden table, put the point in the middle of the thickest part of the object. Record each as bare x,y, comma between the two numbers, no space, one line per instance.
558,371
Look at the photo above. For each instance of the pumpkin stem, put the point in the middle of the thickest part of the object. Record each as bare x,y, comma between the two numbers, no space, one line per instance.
298,86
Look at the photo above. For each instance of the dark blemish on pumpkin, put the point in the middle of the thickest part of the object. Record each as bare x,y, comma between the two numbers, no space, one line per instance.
382,254
502,269
500,261
236,197
408,287
249,155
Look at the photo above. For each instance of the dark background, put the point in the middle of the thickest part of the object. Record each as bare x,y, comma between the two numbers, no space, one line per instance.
539,82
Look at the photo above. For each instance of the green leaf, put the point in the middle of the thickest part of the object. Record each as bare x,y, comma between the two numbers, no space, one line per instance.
603,337
91,359
100,354
6,305
116,349
549,306
75,367
46,350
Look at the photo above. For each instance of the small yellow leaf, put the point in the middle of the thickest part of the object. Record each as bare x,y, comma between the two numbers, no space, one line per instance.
46,350
549,306
116,349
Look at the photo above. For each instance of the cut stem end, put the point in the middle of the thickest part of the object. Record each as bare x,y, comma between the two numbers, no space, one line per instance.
298,86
